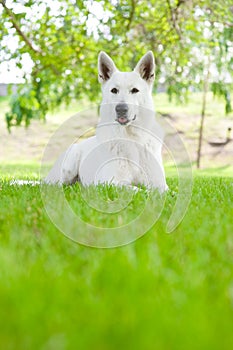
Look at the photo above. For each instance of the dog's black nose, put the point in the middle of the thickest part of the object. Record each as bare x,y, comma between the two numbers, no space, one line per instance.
122,108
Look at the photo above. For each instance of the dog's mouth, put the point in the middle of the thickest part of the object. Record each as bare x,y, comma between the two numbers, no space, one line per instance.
123,120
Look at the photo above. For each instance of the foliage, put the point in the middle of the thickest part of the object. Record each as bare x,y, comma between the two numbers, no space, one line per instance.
159,292
220,89
63,38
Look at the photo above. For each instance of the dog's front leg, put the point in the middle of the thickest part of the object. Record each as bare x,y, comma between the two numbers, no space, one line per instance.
66,168
123,175
70,165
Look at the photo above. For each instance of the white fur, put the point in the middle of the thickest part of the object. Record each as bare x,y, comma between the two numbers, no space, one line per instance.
119,154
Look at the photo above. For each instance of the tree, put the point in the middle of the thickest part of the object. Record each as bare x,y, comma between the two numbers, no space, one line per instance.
63,39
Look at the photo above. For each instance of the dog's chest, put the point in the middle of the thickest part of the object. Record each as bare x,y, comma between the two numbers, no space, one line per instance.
131,155
134,148
133,158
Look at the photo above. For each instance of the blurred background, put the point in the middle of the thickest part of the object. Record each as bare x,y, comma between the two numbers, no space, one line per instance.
48,69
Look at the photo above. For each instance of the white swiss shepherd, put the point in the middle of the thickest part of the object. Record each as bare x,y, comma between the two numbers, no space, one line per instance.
126,149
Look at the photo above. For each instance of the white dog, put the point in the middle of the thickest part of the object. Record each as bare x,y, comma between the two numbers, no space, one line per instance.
126,149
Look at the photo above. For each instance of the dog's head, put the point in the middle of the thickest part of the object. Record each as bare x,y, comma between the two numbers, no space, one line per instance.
125,92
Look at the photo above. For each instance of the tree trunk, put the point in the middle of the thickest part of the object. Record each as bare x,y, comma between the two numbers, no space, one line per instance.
204,97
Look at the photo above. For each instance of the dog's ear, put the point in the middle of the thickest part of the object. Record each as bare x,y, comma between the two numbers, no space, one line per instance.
146,67
106,67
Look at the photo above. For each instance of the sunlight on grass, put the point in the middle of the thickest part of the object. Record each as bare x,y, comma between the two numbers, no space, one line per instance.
161,290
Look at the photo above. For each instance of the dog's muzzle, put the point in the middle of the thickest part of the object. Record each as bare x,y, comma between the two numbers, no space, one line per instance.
122,113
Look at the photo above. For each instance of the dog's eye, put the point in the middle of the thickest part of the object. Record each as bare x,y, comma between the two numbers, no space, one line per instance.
114,91
134,91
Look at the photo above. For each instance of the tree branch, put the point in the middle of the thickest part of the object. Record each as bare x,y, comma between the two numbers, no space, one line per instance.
174,17
131,15
17,27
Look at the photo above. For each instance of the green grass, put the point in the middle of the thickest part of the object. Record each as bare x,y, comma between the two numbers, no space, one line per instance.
161,292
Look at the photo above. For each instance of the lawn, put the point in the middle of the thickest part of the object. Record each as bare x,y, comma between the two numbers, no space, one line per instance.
163,291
